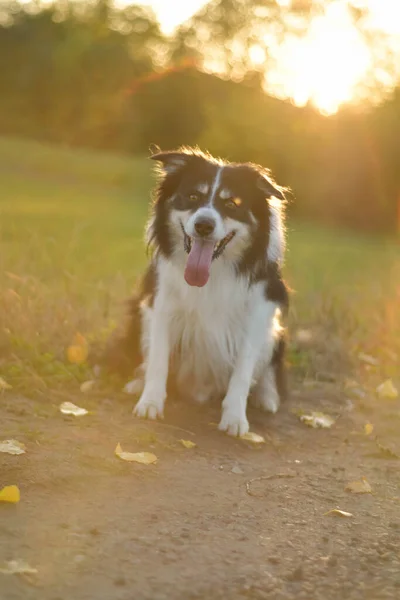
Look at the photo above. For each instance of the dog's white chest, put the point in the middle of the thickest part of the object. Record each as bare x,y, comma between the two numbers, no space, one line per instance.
206,325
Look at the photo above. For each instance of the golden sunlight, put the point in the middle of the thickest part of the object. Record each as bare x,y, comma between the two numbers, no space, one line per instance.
324,67
334,58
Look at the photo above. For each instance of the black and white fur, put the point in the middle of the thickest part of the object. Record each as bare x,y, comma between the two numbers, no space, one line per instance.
225,338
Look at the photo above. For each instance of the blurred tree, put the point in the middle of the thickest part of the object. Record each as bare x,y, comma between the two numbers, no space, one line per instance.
65,69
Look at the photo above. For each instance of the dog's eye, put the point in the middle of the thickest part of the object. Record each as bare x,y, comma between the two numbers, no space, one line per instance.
233,202
194,197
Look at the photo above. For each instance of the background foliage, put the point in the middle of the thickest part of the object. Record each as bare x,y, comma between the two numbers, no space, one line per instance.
86,74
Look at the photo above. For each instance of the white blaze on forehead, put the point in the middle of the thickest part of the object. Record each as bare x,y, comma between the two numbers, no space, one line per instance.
215,184
276,246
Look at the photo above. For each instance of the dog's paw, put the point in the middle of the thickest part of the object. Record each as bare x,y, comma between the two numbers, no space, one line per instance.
234,423
149,408
134,387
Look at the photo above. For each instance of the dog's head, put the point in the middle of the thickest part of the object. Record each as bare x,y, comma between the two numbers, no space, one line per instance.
209,209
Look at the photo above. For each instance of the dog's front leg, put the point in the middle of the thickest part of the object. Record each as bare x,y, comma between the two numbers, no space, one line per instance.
258,323
152,400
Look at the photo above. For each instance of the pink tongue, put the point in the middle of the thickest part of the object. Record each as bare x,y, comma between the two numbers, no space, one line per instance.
198,263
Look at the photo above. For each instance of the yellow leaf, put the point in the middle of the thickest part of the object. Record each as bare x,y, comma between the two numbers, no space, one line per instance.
144,458
253,437
387,390
187,443
317,419
78,351
359,487
335,512
368,428
10,493
68,408
87,386
77,354
12,447
17,567
4,385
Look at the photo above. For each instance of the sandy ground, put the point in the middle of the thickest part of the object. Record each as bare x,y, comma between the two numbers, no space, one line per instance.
194,525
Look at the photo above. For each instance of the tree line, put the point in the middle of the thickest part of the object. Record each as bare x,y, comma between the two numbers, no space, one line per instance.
86,74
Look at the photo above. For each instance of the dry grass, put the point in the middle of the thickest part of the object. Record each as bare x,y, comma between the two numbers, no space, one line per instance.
71,248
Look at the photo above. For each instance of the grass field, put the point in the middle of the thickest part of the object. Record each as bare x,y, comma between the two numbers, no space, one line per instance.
71,249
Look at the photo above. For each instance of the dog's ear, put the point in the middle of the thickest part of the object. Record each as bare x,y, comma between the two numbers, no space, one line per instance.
171,161
269,187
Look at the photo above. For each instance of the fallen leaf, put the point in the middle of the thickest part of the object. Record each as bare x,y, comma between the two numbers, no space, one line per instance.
367,359
187,443
387,390
144,458
368,428
87,386
17,567
10,494
12,447
4,385
253,437
336,512
78,351
318,419
359,487
68,408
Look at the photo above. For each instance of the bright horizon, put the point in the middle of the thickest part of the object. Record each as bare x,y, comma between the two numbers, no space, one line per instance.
326,66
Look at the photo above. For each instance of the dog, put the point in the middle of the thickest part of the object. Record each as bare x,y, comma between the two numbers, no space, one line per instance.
208,315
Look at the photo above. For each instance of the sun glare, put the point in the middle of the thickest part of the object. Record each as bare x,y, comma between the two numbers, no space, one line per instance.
324,67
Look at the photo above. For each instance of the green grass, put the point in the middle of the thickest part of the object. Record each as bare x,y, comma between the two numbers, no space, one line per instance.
71,248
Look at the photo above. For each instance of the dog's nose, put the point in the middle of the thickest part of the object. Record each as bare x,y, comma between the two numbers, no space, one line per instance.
204,226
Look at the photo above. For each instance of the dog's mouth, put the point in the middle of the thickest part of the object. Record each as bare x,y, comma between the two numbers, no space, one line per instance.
201,254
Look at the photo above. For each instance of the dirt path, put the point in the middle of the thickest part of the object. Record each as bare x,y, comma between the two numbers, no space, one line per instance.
96,527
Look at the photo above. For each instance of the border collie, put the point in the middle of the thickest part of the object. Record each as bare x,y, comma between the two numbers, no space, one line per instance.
208,314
